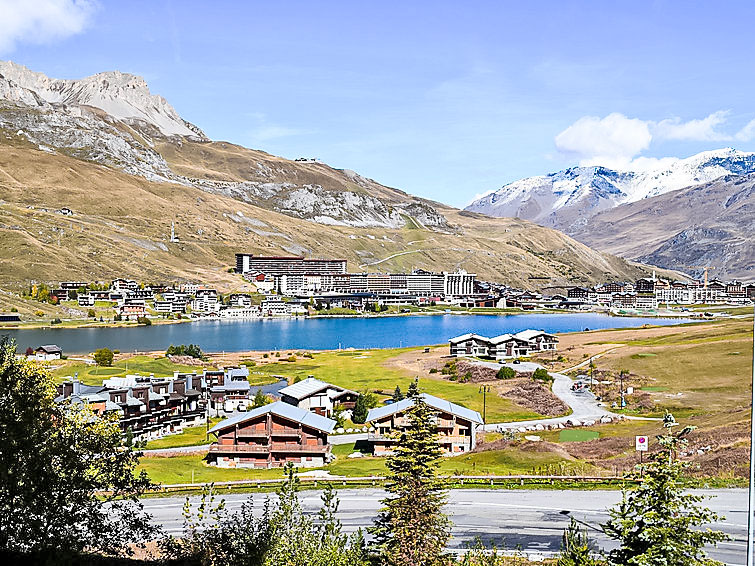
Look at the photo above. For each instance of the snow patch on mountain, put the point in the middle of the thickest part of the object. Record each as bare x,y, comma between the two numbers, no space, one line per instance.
567,199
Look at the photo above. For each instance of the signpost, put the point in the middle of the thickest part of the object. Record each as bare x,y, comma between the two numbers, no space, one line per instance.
641,445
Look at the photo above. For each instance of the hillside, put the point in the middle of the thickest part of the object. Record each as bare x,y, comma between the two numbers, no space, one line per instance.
708,224
126,176
568,199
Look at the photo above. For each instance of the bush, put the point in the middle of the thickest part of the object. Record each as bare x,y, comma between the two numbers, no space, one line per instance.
144,320
56,321
103,357
116,352
13,309
117,318
192,350
91,313
506,373
39,313
291,359
265,355
433,370
541,374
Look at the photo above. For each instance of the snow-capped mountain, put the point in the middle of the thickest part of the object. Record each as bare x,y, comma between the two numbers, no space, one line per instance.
567,199
121,95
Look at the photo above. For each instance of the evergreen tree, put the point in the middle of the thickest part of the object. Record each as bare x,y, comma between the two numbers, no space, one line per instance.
260,399
657,523
575,547
412,530
359,414
397,394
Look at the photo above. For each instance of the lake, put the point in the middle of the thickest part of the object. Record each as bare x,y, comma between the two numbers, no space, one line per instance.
315,333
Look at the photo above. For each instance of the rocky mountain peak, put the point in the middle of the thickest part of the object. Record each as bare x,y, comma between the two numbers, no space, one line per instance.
123,96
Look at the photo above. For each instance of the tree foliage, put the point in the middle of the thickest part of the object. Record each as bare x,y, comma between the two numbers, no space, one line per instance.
411,529
506,373
67,482
260,399
359,414
192,350
576,549
103,357
541,374
658,523
281,534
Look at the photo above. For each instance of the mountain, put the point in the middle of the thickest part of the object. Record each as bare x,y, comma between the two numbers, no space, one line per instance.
127,166
707,224
566,200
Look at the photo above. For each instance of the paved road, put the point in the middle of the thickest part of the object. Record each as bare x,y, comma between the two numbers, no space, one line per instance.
583,404
529,519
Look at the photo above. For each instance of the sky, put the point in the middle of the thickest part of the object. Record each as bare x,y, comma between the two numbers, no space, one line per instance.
443,99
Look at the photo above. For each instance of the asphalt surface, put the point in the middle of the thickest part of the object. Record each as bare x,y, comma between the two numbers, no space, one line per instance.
530,520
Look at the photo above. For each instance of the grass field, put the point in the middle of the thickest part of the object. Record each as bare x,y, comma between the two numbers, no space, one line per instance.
188,468
578,435
192,436
145,365
366,370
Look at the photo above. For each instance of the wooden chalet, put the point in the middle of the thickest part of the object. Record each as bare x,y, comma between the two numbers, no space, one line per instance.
272,436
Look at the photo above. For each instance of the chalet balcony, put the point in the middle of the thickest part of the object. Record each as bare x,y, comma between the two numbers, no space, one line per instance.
264,449
285,431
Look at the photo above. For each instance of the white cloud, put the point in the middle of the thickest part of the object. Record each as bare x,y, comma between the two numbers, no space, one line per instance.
747,133
41,21
611,141
617,141
693,130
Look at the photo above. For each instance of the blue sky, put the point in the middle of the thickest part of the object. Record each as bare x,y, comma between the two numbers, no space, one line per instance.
442,99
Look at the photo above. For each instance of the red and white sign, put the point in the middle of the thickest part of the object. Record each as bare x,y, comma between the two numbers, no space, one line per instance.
641,443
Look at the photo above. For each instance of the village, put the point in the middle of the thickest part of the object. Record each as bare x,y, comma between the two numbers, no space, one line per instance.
298,286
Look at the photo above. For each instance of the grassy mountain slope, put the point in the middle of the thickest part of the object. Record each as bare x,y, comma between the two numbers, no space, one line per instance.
121,225
708,224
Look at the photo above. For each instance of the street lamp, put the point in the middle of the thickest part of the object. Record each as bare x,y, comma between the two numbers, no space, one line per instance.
484,390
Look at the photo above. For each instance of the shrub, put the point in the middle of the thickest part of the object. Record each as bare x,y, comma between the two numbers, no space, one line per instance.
56,321
541,374
144,320
117,318
291,359
192,350
265,355
506,373
116,352
91,313
39,313
433,370
13,309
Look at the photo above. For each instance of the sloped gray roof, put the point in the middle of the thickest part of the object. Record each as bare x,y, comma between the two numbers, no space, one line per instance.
307,418
50,349
307,387
530,334
434,402
506,338
465,337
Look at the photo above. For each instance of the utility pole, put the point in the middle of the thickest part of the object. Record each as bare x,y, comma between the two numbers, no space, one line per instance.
484,390
751,506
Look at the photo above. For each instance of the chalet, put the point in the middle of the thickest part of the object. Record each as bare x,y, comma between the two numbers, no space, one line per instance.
48,353
538,340
507,346
146,406
85,300
456,425
229,389
240,300
270,437
317,396
645,285
469,345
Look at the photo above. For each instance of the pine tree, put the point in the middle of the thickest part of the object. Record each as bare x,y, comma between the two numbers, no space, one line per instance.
359,414
575,547
657,523
397,395
412,530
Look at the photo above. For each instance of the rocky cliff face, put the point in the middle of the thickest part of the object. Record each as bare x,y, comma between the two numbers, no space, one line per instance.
113,119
